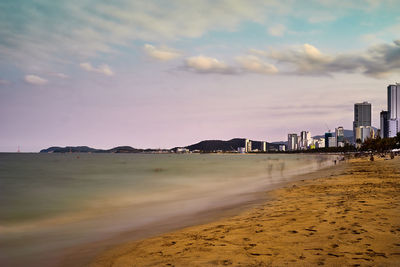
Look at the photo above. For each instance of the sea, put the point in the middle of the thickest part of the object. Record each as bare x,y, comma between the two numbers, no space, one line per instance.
51,204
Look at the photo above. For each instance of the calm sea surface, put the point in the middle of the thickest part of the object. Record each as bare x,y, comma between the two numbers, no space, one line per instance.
49,202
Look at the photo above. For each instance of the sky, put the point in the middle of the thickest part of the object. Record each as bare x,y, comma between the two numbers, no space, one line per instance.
160,74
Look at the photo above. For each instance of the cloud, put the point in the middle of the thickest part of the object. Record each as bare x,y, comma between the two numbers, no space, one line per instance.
62,30
60,75
378,61
254,64
204,64
161,53
306,59
102,69
40,33
35,80
277,30
246,64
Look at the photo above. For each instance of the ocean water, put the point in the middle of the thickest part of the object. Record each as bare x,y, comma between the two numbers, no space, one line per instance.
52,202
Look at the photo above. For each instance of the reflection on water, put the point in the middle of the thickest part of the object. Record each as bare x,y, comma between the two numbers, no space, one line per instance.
52,201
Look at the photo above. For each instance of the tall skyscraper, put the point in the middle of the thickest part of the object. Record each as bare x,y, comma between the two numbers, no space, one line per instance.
384,124
292,141
393,98
362,116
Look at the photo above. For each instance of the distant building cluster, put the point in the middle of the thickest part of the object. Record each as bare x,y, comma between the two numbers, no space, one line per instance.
259,146
304,141
248,147
339,138
362,126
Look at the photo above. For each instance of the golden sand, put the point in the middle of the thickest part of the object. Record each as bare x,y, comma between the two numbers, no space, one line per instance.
346,219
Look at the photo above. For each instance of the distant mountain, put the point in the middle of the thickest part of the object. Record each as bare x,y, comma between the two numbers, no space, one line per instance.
230,145
86,149
73,149
215,145
124,149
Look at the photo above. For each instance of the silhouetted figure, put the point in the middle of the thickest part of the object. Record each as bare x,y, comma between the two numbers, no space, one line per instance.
391,155
372,157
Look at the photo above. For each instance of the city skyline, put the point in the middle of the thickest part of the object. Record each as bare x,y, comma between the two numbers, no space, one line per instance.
152,75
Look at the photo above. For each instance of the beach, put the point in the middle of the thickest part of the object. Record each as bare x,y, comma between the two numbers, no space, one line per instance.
347,216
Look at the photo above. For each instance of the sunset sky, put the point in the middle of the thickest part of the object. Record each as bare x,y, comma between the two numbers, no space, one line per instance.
160,74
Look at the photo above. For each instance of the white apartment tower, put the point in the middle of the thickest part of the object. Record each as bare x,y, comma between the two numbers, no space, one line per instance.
292,141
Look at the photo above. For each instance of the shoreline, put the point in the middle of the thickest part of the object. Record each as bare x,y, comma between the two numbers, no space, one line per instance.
84,254
331,218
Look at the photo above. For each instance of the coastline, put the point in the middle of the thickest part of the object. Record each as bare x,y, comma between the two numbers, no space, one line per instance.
83,254
347,215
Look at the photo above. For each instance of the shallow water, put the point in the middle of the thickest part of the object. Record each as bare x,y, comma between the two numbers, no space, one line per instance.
49,202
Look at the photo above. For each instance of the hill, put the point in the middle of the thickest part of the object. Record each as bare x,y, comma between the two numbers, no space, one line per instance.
86,149
214,145
67,149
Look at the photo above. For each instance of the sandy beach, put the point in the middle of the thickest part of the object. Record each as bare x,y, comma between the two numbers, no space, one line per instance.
351,218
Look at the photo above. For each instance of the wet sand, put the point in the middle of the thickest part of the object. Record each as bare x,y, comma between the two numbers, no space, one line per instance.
349,217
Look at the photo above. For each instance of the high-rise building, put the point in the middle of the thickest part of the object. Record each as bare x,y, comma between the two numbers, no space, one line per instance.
384,133
393,98
339,131
327,135
362,116
292,141
305,140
